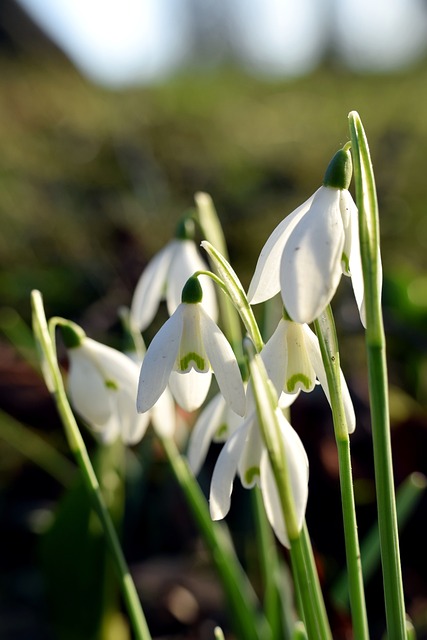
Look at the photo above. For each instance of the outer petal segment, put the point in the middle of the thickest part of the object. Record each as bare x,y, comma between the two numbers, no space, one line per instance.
224,363
310,269
159,361
265,282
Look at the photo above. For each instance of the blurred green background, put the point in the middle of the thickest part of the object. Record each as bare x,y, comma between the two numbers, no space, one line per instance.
92,184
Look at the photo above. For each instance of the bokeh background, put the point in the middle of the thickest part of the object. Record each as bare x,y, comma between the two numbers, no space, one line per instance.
112,115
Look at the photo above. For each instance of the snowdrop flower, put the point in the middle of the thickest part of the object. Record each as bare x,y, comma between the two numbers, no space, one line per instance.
215,423
246,455
184,352
311,248
166,275
293,361
102,386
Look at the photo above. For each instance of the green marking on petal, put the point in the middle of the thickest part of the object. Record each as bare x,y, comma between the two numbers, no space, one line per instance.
221,431
184,363
293,381
346,262
110,384
251,474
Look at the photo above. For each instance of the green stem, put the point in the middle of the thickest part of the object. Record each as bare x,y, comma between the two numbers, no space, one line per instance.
378,384
304,569
408,496
78,448
241,598
277,606
325,329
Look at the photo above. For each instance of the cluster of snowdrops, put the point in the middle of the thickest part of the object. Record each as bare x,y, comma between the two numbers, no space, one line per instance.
118,395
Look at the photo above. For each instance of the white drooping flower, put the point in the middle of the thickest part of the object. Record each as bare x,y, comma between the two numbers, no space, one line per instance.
165,276
306,255
102,386
184,352
215,423
293,361
245,454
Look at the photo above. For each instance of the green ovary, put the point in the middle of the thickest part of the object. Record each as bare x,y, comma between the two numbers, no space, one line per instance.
292,382
194,358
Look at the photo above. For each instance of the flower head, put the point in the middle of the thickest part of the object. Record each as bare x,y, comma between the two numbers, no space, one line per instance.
166,275
184,352
245,454
102,385
293,361
311,248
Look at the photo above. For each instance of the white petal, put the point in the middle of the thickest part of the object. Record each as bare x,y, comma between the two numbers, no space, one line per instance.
185,263
190,389
163,415
86,388
300,374
224,363
202,434
150,287
265,282
192,353
159,361
224,472
133,430
316,359
250,459
355,263
114,366
275,356
297,463
310,269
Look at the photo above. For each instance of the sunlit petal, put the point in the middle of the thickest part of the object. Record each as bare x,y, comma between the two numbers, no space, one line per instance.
265,282
297,464
192,353
275,356
249,463
224,472
190,389
150,287
310,268
355,262
300,374
159,361
224,363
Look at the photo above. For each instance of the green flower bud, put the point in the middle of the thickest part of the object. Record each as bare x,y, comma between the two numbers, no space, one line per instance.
192,292
185,229
339,171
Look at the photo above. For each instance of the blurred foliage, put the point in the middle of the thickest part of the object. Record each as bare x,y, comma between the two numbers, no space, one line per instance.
93,181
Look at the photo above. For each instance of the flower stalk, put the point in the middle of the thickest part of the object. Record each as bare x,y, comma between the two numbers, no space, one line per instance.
55,384
378,380
304,570
325,329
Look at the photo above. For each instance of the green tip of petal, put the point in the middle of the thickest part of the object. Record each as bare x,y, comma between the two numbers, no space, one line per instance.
72,334
192,292
339,172
186,228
